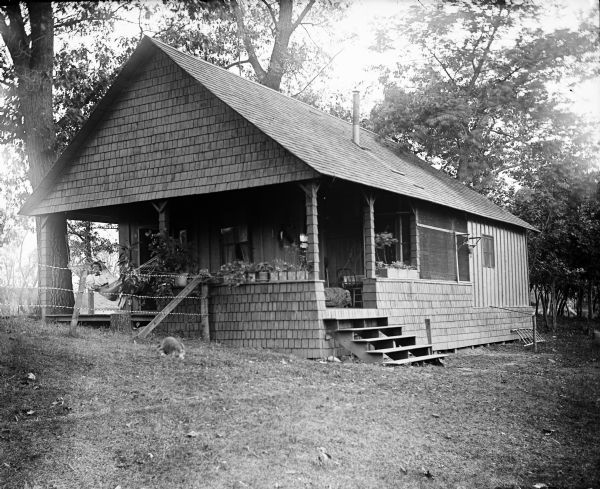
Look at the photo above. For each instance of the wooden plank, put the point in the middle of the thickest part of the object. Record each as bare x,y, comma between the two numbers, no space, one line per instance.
169,308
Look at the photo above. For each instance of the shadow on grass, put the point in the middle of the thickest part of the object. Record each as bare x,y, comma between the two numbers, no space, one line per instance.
31,408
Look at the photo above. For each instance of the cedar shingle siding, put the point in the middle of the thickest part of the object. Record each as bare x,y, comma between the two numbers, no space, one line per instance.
167,136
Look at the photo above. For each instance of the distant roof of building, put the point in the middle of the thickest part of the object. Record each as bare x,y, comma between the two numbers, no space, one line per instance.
322,141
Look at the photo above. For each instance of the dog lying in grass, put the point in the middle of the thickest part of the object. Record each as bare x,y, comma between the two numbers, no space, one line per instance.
171,346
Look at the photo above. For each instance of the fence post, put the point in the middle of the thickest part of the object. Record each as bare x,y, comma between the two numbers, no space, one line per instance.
90,301
204,312
534,333
78,299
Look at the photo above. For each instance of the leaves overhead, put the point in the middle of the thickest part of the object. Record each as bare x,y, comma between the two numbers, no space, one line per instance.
482,102
268,41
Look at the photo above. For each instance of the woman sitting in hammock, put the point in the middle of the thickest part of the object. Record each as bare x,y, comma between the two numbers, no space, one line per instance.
99,277
100,280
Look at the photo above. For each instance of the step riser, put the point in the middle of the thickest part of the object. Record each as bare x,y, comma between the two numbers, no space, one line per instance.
357,349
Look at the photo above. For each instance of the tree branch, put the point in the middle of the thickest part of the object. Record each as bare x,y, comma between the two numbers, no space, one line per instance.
41,21
305,11
12,29
271,11
451,78
243,33
319,72
237,63
486,51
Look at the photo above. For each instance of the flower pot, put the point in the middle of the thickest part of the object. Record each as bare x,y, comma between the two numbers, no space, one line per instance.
262,276
250,277
181,280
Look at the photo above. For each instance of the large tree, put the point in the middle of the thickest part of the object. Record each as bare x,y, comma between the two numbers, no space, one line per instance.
485,97
27,66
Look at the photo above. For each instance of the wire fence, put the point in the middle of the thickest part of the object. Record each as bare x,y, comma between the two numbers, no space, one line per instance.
31,300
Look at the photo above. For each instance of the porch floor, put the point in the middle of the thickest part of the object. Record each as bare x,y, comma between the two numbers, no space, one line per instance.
350,313
100,319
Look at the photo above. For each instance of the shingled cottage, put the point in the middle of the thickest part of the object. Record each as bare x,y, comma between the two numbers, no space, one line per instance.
245,172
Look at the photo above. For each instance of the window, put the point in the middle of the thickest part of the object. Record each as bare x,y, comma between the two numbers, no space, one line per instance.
487,246
443,250
235,244
438,254
397,229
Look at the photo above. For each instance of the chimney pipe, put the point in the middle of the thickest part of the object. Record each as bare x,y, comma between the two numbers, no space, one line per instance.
356,117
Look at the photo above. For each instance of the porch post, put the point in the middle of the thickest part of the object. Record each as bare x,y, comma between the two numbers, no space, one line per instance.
369,235
312,228
163,216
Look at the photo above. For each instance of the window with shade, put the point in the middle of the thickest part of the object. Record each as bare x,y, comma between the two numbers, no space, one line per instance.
235,244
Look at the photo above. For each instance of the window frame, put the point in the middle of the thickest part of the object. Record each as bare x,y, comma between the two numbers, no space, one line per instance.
488,251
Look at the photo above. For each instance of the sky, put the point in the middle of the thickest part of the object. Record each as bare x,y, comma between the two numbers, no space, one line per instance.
352,67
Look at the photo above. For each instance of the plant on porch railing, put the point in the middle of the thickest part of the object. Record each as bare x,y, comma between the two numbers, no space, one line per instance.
395,269
284,270
238,272
171,255
383,246
173,261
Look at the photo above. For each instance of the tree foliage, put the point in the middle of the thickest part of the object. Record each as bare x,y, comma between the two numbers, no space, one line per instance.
483,101
269,41
29,31
563,203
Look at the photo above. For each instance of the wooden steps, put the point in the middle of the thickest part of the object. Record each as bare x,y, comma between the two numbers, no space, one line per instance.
373,340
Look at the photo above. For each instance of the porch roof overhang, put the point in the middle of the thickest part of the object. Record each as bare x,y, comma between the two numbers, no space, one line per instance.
321,141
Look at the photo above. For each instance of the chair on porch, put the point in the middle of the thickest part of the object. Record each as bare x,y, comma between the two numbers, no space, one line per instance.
348,280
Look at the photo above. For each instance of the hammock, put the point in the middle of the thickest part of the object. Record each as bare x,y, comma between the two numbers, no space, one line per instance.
112,290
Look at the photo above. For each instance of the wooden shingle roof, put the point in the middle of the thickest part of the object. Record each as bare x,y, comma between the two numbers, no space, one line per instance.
321,141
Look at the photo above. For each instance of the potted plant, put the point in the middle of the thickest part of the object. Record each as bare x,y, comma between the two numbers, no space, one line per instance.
383,245
172,258
250,273
264,270
396,269
234,273
282,270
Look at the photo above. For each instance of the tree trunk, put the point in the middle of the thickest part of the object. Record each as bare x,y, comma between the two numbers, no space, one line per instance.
33,59
56,284
544,298
590,306
553,305
579,308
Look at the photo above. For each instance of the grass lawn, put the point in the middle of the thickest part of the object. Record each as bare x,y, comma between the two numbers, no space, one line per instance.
103,412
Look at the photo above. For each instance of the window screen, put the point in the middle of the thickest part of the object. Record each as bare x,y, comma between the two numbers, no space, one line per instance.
443,252
489,258
437,250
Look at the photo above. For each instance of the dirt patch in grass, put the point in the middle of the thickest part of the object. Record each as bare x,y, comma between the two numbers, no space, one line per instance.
103,411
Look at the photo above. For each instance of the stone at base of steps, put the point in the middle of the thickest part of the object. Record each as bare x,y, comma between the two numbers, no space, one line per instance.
424,358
